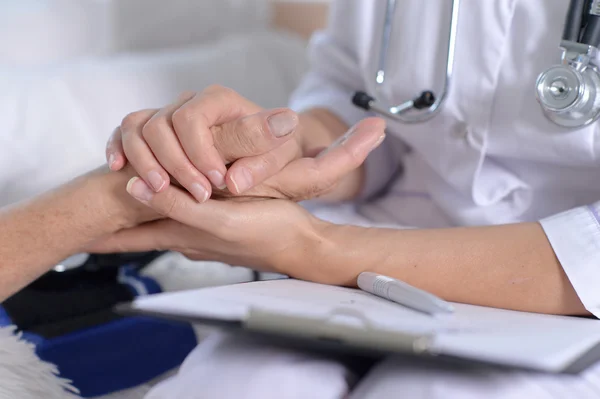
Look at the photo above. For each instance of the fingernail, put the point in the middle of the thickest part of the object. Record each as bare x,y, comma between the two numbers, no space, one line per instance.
139,190
111,160
242,180
156,180
282,124
217,179
378,142
199,192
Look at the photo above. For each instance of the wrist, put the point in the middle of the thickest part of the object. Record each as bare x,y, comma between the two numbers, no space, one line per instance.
323,244
340,254
117,209
103,188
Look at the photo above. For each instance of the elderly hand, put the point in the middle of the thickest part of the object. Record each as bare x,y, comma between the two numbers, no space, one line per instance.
264,234
110,198
195,138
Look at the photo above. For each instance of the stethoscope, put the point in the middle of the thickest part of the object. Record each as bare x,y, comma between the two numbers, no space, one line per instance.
568,93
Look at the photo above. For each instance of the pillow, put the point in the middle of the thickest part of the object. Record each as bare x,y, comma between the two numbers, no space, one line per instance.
48,31
142,25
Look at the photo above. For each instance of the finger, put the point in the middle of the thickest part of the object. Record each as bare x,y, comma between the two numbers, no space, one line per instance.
315,175
115,157
255,134
249,172
137,151
160,136
193,122
173,203
147,237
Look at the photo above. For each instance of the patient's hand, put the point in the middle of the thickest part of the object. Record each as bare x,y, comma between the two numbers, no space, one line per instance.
111,199
192,140
266,234
37,233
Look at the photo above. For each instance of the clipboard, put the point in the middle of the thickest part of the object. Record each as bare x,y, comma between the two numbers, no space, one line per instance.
477,336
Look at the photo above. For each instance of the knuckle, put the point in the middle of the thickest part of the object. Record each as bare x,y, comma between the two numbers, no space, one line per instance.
187,94
156,126
216,89
255,129
313,190
213,88
222,93
244,144
132,121
316,185
325,189
183,116
247,137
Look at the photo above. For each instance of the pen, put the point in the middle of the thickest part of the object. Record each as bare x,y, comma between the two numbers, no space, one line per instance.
402,293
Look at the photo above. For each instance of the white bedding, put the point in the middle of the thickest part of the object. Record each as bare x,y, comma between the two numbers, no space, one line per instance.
56,119
40,32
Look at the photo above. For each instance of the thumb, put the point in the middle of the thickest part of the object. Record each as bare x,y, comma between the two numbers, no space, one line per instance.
315,175
254,134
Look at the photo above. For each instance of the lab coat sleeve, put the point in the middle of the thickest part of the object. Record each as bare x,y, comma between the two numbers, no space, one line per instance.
575,238
334,75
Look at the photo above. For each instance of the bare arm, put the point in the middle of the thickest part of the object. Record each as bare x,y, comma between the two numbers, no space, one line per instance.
37,234
509,266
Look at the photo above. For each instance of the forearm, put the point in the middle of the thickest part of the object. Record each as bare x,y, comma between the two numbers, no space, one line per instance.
318,129
510,266
37,234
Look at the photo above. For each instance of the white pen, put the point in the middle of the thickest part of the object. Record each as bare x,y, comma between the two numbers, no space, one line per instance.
402,293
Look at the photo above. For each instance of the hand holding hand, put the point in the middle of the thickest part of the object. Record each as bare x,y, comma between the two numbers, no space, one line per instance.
194,139
263,234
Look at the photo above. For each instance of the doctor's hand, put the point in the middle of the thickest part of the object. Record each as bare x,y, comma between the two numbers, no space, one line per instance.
258,233
194,139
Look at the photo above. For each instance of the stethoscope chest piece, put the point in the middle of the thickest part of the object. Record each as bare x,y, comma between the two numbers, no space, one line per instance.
568,94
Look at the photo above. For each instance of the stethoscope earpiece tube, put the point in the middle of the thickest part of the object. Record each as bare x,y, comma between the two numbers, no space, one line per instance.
568,93
425,100
362,100
574,19
591,34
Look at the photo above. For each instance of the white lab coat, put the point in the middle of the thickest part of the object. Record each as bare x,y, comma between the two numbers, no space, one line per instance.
490,156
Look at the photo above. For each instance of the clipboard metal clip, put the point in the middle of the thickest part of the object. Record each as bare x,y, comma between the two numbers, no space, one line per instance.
331,327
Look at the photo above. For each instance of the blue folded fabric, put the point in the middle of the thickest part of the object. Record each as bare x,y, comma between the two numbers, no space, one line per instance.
118,354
